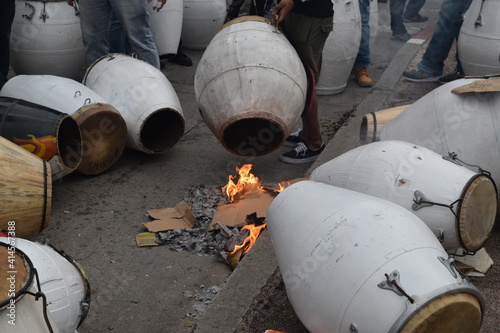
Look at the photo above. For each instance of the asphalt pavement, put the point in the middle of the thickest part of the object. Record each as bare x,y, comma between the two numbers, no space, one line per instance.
154,289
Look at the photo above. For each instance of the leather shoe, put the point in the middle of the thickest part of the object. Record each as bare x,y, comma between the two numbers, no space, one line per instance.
181,59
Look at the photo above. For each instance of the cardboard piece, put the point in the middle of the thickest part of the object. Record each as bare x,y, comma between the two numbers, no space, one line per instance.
480,261
146,239
479,86
234,214
178,217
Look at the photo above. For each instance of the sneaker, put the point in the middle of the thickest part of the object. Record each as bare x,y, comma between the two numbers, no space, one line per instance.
417,75
302,154
417,18
450,77
294,139
402,38
363,78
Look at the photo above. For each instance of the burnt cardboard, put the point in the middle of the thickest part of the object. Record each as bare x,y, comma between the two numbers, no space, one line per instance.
178,217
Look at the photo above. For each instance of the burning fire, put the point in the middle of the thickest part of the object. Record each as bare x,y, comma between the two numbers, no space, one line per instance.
251,239
247,182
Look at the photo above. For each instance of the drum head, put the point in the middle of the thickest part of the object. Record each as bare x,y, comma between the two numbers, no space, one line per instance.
477,212
457,313
15,274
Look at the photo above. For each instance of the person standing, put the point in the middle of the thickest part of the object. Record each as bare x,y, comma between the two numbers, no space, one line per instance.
7,10
400,14
307,25
430,68
363,58
95,17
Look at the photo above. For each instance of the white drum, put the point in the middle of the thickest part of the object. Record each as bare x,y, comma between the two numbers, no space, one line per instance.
355,263
167,26
144,97
46,38
104,132
479,39
62,280
201,21
457,204
20,311
237,96
444,122
341,48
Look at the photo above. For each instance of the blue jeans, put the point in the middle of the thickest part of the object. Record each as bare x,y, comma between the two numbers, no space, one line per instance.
118,42
447,31
363,57
398,11
95,17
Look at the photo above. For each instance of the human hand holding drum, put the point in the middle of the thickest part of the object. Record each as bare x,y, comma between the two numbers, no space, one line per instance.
157,4
281,10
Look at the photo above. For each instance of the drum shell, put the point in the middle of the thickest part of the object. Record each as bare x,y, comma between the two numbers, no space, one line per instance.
26,194
104,131
445,123
143,96
48,133
479,44
341,48
167,26
201,21
396,170
65,286
344,243
50,44
237,97
373,122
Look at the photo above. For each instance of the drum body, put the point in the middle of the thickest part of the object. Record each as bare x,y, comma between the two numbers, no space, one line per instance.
45,132
479,39
63,282
341,48
201,21
237,96
444,122
457,204
143,96
167,26
104,132
373,122
26,191
344,257
46,38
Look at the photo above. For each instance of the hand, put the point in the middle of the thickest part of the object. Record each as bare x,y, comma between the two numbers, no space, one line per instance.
157,4
70,2
281,10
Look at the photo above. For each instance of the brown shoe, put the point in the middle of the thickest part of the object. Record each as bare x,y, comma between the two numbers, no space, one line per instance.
363,78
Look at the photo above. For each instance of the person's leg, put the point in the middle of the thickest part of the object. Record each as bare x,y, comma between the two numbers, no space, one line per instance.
363,58
261,5
7,10
94,20
233,10
135,20
412,9
396,8
118,41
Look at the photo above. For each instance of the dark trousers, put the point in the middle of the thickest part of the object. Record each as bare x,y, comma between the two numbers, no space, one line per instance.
7,9
234,8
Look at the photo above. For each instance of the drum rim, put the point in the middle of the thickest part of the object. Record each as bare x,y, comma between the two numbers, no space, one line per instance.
460,218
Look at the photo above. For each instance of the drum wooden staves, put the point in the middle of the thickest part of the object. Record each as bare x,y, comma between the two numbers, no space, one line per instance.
355,263
237,96
47,133
26,191
373,122
143,96
20,312
459,205
46,38
104,132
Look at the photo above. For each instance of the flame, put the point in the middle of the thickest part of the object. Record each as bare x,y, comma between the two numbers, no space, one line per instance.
282,186
247,182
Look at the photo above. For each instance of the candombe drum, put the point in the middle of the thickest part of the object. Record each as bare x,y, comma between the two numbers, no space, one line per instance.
356,263
479,39
62,280
201,21
143,96
104,132
373,122
46,38
45,132
167,26
236,82
26,191
341,48
464,126
457,204
20,311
